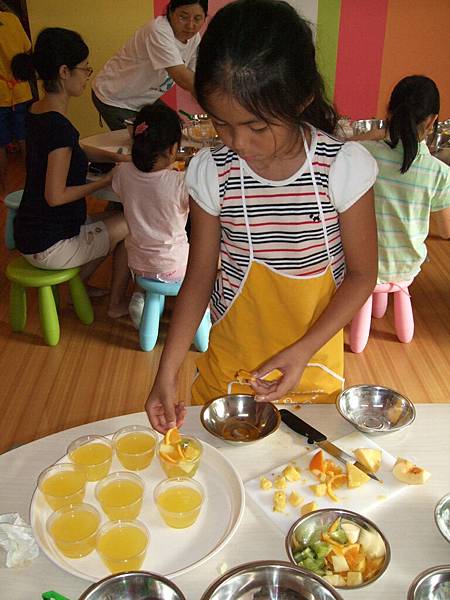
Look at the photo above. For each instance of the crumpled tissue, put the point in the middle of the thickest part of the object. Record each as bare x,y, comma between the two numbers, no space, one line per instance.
16,538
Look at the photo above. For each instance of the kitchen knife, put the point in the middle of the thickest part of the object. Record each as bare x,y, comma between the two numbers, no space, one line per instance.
315,437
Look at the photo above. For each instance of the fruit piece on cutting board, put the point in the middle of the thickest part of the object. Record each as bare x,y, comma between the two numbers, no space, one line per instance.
369,457
355,477
407,472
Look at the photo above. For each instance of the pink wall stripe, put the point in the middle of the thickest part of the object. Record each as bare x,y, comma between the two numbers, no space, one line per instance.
359,59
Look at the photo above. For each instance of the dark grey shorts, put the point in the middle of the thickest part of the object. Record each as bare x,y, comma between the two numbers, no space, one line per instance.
112,115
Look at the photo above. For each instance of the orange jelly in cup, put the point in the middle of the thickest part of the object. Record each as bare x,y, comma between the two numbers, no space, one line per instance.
120,495
94,454
62,484
74,529
179,455
122,545
179,501
135,446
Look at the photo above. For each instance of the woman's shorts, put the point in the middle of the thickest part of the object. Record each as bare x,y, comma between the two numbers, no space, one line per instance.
91,243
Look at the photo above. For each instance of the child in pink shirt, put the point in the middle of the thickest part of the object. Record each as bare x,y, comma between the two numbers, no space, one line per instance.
155,201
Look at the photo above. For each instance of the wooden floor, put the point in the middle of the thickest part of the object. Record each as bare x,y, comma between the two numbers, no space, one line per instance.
99,371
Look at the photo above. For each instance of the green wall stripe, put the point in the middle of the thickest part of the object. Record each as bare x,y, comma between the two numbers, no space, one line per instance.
328,19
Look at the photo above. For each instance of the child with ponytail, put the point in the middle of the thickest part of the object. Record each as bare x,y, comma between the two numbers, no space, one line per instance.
155,201
411,183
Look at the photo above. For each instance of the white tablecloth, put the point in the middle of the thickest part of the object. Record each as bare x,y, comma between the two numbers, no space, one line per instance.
407,521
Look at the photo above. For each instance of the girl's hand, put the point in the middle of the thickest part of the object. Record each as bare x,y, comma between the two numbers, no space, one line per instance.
291,362
162,412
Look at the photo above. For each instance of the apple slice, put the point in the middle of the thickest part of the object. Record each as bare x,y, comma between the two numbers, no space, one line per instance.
369,457
355,477
407,472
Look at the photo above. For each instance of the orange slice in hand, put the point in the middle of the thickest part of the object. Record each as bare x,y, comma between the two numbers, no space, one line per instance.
172,437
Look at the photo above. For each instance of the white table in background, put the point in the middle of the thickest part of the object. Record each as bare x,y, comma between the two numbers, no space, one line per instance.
407,520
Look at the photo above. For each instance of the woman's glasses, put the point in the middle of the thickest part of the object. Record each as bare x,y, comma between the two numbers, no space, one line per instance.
88,70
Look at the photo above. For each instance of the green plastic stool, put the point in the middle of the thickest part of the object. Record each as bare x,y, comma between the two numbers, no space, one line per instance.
22,275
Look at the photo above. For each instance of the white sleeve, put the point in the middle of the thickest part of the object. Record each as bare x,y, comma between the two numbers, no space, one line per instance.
352,174
161,47
203,183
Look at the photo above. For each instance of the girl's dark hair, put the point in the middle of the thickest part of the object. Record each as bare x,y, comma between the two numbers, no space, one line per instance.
261,52
174,4
413,99
54,47
163,130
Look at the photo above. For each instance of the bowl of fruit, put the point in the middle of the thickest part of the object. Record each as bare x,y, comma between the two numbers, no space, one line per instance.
342,546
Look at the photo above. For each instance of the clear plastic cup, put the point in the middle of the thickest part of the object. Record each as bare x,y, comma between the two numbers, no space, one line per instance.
74,529
182,462
120,495
122,545
179,501
63,484
135,446
94,454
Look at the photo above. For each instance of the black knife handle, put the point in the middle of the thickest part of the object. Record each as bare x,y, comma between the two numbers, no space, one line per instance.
301,427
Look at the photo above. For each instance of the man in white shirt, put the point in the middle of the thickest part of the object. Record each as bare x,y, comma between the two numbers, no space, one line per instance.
160,54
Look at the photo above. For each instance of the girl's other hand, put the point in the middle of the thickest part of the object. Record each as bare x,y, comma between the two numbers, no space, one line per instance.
163,413
291,363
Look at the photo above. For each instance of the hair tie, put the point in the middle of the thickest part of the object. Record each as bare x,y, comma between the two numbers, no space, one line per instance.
141,128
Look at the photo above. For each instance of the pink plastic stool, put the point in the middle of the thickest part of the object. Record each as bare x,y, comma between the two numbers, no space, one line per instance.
376,306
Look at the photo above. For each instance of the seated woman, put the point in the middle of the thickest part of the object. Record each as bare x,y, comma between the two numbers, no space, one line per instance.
51,228
411,183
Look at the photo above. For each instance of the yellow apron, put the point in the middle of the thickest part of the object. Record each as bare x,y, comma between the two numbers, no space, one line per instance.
271,312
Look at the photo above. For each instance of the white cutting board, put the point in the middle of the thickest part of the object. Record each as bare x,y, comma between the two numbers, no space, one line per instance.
359,499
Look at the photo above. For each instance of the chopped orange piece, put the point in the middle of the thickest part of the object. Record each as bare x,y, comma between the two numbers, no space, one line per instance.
330,492
317,462
338,481
172,437
334,525
169,457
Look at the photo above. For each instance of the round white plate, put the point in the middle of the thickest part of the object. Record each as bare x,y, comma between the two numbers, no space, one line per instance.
171,552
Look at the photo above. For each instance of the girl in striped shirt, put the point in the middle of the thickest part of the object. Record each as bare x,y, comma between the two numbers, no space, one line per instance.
286,210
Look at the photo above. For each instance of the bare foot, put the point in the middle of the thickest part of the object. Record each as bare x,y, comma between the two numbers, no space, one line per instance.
118,310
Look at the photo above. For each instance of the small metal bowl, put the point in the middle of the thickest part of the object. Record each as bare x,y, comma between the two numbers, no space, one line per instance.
305,527
442,516
140,585
270,579
239,419
433,583
375,409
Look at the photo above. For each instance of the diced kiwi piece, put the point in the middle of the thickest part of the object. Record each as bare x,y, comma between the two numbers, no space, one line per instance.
321,549
339,536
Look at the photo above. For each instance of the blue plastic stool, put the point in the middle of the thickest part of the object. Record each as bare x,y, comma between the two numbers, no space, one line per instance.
155,292
12,202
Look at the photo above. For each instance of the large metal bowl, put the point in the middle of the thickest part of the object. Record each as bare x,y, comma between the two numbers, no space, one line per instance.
366,125
238,419
270,580
135,585
375,409
432,584
306,526
442,516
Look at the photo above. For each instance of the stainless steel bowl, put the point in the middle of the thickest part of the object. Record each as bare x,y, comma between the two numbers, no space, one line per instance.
366,125
375,409
238,419
305,527
133,585
432,584
442,516
270,580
